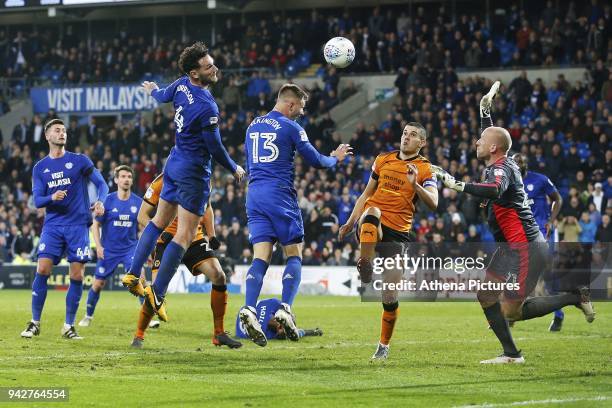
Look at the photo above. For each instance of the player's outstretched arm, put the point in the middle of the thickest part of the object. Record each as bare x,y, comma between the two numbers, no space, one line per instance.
491,189
320,161
358,209
485,107
162,95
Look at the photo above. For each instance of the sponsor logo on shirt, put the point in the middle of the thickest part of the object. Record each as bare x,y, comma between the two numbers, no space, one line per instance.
149,193
214,120
46,171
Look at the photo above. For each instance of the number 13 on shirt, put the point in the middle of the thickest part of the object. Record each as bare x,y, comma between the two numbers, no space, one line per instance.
268,145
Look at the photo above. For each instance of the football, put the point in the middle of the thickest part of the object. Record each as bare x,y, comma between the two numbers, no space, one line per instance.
339,52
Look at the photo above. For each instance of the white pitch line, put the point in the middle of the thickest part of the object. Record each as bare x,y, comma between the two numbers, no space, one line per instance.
535,402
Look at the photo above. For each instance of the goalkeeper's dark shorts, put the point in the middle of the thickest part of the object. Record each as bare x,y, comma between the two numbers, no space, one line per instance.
521,264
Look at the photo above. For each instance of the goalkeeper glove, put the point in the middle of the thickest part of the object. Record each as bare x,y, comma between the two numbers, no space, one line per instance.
487,100
448,180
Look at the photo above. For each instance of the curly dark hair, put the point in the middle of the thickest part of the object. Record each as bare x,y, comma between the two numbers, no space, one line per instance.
190,56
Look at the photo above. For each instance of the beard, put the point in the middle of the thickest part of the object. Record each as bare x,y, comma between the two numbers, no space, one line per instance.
208,80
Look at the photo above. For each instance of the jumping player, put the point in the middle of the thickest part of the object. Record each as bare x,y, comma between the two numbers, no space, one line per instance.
525,255
266,309
119,227
272,209
199,259
384,214
59,184
539,190
186,186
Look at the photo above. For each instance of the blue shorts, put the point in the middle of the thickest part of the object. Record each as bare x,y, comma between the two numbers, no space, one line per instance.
73,240
107,266
274,215
186,183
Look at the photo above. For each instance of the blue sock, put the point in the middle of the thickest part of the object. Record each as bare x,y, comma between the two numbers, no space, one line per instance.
291,279
145,246
559,314
39,294
254,280
73,298
141,300
170,261
92,301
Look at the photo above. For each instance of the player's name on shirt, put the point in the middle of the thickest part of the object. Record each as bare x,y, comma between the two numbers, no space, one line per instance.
267,121
262,315
57,179
185,90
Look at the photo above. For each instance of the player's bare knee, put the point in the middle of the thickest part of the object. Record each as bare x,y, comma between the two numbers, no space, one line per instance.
512,311
375,211
98,285
218,277
44,270
486,298
294,250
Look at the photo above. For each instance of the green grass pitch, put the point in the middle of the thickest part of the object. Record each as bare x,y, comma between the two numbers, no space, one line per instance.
433,359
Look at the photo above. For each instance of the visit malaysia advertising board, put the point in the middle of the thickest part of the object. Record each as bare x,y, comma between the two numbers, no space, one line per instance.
91,99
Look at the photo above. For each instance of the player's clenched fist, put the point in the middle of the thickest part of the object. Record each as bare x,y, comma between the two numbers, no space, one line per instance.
342,151
98,209
59,195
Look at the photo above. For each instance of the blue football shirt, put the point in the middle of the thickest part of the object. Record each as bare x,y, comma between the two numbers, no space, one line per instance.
271,142
196,119
538,187
71,173
120,223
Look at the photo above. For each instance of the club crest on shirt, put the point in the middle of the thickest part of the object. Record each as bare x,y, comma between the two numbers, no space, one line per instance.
133,209
69,165
303,136
498,172
530,187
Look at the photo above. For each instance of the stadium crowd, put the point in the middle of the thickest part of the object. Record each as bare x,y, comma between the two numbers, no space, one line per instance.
570,33
565,129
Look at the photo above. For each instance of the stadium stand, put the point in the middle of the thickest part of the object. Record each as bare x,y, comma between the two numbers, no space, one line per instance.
565,128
